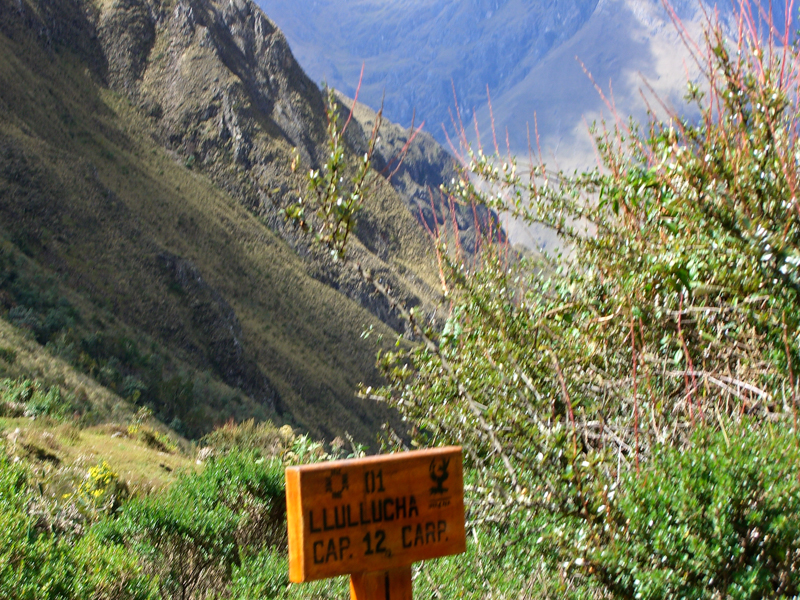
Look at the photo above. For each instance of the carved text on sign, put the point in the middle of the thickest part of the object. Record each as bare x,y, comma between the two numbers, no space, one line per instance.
375,513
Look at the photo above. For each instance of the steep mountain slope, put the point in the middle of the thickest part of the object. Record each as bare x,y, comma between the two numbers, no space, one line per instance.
145,151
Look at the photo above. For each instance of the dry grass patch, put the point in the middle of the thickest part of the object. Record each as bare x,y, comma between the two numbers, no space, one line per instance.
43,442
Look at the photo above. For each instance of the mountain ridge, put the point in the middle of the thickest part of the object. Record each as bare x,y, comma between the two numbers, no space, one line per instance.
145,156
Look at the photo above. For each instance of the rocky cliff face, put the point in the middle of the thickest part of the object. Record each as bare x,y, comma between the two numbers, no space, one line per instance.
147,155
418,177
221,89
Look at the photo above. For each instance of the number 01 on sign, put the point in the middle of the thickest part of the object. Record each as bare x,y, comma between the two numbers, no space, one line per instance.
373,517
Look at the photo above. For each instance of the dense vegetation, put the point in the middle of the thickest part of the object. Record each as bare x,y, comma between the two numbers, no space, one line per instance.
204,534
628,407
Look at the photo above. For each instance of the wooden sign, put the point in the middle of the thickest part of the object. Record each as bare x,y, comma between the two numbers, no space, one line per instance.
374,517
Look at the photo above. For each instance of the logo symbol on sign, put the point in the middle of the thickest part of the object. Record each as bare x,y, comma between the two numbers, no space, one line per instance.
336,483
439,474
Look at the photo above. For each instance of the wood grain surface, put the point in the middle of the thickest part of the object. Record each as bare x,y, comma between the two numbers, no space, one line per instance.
374,514
382,585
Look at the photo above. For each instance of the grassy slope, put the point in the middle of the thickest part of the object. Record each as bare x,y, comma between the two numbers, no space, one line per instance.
78,448
75,450
91,199
27,359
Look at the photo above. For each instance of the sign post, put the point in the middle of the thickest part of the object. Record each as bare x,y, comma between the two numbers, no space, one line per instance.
371,518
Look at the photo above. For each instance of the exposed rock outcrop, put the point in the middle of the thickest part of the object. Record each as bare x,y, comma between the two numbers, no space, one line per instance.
219,332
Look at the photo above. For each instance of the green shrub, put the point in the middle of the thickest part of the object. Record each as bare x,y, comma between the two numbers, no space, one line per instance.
264,575
35,564
132,388
331,205
263,437
192,535
720,519
335,588
33,399
250,485
182,546
306,450
110,571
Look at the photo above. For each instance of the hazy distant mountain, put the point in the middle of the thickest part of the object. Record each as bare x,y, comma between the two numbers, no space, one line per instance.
524,50
418,50
530,53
